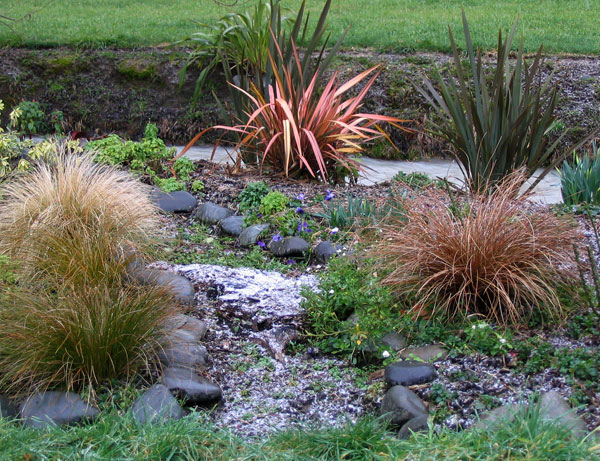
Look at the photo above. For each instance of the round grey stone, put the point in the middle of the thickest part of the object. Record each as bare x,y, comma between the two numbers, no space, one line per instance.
7,409
324,251
234,225
394,341
409,372
186,328
179,286
54,407
289,246
400,405
554,408
156,405
190,387
174,202
184,355
210,213
431,353
417,424
249,235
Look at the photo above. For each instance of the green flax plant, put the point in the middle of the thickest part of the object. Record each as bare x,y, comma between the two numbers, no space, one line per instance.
499,124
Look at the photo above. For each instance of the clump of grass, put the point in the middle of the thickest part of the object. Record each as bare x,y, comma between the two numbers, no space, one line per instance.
74,319
71,217
492,259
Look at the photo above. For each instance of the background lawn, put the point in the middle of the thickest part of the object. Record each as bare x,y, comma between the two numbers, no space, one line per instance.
563,26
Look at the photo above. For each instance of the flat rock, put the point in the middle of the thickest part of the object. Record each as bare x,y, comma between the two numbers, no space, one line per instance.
554,408
209,213
394,341
249,235
431,353
180,287
186,328
289,246
400,405
53,407
325,250
7,409
234,225
416,424
409,372
174,202
184,355
190,387
156,405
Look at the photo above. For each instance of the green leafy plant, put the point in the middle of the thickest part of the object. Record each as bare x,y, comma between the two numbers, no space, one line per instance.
71,226
346,289
485,339
356,211
273,202
497,261
238,41
580,183
250,198
414,180
183,168
197,186
499,124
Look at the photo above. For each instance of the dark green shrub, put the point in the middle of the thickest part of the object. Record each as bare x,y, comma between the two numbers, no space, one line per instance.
250,198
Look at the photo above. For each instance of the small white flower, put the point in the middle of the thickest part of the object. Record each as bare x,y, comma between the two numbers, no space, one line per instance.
335,230
474,327
502,340
385,354
331,292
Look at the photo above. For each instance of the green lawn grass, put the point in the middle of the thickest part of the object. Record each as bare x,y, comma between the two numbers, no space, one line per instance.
562,26
116,436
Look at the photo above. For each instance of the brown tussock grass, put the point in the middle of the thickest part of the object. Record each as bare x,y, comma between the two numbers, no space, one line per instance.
497,261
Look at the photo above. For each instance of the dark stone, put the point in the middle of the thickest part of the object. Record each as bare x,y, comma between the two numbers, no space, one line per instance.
401,405
156,405
53,407
409,372
190,387
209,213
184,355
180,287
394,341
174,202
289,246
325,250
417,424
554,408
186,328
234,225
431,353
7,409
249,235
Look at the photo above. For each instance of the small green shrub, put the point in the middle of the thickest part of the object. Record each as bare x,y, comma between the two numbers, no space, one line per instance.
414,180
580,183
272,203
183,167
346,289
250,198
197,186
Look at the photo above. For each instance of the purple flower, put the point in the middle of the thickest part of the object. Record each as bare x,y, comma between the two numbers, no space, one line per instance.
300,197
277,237
299,210
329,195
289,262
334,231
259,215
303,227
261,244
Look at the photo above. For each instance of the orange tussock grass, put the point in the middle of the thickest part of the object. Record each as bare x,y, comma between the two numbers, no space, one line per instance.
496,261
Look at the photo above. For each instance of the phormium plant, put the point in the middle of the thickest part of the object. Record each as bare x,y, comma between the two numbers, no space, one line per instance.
299,131
499,124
